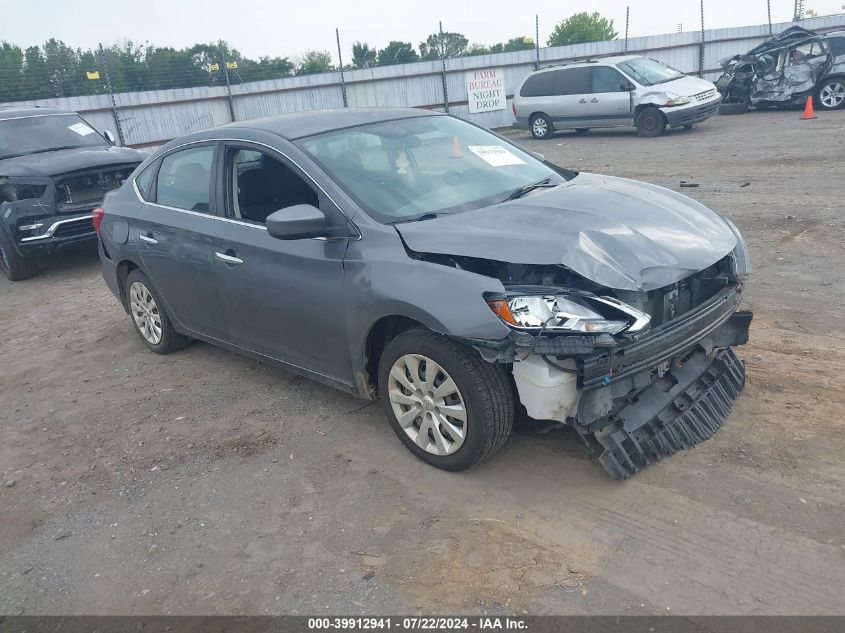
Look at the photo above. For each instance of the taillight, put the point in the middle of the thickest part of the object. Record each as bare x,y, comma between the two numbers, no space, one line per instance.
513,107
97,218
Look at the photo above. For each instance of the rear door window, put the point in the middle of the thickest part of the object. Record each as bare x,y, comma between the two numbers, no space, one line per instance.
573,81
184,179
539,85
837,45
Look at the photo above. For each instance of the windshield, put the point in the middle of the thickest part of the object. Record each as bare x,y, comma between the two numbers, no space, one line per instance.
430,165
649,72
28,135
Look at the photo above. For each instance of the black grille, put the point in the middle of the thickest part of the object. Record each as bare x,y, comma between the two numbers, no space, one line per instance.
72,229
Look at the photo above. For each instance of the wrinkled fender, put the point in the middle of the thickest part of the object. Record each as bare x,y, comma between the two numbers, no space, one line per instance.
655,97
382,280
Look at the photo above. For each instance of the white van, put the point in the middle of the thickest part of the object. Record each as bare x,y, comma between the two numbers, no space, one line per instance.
611,92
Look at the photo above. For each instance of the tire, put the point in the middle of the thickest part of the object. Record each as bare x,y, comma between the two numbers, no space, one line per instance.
581,130
650,122
831,94
541,126
688,126
146,307
482,395
733,108
15,267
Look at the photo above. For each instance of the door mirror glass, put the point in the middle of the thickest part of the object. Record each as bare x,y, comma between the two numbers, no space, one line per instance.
298,222
109,136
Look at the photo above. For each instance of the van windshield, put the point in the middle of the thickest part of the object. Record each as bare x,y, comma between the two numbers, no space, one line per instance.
649,72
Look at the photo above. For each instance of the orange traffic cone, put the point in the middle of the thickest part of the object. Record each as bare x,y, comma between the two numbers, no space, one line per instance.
808,110
456,148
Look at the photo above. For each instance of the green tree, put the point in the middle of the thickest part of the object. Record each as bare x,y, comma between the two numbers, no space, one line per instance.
582,27
363,55
439,45
314,62
397,53
476,49
521,43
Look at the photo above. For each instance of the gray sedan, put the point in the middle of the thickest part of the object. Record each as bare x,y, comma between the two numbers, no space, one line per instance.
412,256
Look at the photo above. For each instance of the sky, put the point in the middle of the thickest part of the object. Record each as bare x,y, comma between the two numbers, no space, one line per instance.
287,29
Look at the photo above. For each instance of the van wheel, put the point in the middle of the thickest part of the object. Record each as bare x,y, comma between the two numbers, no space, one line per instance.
17,268
650,122
541,126
450,407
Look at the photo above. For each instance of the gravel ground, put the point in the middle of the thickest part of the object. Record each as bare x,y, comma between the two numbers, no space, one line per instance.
204,482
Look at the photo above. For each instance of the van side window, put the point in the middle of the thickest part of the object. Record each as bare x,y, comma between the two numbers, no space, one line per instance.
573,81
606,79
539,85
262,184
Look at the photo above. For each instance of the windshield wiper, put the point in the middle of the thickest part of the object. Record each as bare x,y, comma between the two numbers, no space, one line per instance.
424,216
524,189
53,149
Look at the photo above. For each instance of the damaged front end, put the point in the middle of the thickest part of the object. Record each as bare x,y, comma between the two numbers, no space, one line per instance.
643,373
780,72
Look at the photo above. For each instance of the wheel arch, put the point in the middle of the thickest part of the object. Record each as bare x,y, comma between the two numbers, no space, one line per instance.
125,267
380,333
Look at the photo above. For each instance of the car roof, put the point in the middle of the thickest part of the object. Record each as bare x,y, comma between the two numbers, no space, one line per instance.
592,61
835,34
17,113
294,125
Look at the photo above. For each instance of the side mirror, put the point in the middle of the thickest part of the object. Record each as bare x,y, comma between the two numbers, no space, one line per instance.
627,86
109,136
298,222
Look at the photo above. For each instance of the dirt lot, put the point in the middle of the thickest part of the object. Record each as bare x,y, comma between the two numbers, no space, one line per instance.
204,482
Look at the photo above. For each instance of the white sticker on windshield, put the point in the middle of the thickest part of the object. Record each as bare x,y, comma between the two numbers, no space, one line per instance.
81,129
495,155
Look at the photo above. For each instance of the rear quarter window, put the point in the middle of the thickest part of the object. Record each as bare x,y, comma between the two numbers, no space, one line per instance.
144,181
539,85
837,45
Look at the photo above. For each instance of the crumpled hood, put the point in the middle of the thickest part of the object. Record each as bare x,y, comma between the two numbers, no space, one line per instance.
68,160
616,232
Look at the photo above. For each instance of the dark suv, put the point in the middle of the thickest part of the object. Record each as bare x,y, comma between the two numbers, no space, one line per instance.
54,169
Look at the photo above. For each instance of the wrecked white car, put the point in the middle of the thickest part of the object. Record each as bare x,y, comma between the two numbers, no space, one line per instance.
785,70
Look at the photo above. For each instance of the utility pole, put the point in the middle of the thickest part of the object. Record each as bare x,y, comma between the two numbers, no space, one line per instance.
701,49
443,69
536,41
225,63
340,62
799,11
105,64
769,10
627,19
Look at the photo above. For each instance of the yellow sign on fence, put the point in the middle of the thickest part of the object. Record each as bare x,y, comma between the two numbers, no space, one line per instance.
214,66
231,65
93,75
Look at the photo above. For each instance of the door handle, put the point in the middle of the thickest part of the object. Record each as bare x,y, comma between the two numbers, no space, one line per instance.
229,259
149,239
583,101
594,100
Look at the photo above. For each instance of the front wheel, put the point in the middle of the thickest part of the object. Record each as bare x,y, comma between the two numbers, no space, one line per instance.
13,265
650,122
831,94
450,408
541,126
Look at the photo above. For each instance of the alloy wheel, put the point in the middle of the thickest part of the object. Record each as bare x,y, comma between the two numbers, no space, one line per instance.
539,126
832,95
427,404
145,312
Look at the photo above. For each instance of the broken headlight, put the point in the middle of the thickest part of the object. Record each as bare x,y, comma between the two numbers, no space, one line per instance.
676,100
742,263
13,191
585,314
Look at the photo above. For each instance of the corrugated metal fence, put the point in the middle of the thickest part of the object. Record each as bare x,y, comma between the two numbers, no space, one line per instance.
151,118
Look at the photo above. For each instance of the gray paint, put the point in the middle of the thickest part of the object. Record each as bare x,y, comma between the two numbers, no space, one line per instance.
310,304
618,233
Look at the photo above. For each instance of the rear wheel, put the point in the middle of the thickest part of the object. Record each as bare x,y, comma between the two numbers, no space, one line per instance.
650,122
541,126
831,95
149,316
448,406
15,267
733,108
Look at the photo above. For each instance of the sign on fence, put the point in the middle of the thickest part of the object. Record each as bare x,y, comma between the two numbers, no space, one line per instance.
486,90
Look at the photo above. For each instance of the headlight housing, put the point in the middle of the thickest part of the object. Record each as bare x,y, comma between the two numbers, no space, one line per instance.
583,314
14,191
742,263
676,100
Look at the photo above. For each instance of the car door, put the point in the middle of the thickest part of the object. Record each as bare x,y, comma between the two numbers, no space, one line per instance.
609,99
280,297
172,237
572,98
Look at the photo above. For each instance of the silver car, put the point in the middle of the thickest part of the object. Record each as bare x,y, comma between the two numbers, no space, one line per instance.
610,92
